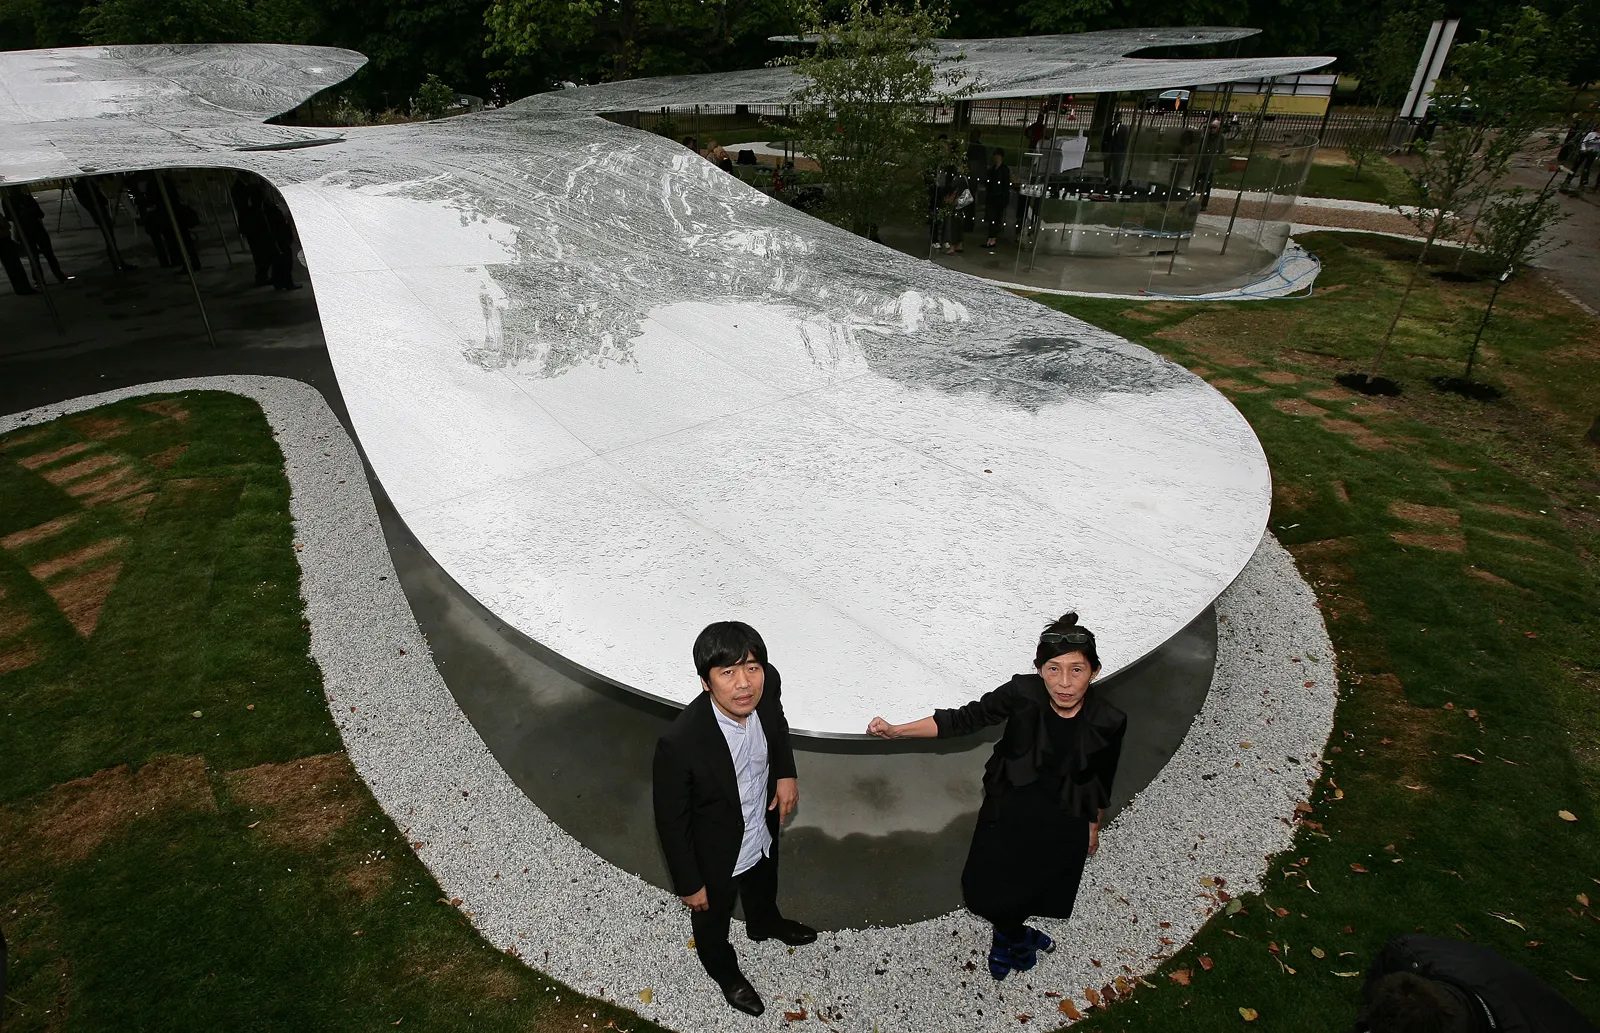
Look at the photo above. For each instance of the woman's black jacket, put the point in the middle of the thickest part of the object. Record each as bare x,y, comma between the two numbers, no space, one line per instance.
1025,753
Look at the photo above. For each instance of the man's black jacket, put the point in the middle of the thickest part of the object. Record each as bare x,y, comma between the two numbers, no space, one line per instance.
698,815
1516,1000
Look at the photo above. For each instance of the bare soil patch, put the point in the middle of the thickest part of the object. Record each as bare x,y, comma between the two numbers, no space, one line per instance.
1279,376
82,468
1493,579
37,460
1237,387
1298,407
110,486
369,877
1420,514
16,657
133,509
169,408
1437,542
38,532
1490,507
304,802
80,599
102,427
1140,315
164,459
70,821
76,558
1294,496
1332,394
1340,492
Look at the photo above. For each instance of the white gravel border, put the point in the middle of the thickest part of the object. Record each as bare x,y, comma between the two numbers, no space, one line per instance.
1224,802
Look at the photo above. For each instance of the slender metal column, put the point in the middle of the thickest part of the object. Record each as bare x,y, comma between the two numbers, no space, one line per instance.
183,252
1244,177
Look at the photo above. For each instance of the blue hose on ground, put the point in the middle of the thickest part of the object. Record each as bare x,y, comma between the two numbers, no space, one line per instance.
1260,289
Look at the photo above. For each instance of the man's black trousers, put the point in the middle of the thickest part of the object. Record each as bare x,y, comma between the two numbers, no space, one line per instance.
758,889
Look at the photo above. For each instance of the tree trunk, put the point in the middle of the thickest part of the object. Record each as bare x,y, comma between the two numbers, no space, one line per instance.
1412,282
1472,355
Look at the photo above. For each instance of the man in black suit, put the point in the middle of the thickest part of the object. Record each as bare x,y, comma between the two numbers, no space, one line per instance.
724,780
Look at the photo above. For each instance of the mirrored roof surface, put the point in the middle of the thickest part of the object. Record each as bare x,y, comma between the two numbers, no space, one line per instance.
618,394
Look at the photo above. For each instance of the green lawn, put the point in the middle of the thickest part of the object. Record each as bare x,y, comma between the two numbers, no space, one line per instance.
185,847
1381,181
1451,544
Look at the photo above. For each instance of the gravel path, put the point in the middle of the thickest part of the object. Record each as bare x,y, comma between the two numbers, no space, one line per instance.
1224,801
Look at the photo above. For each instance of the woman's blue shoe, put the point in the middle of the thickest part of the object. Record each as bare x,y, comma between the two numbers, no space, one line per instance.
1002,956
1025,952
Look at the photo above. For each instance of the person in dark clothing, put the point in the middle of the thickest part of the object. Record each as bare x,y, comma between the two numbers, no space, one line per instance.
723,781
151,215
11,258
977,156
91,200
1114,142
1045,789
248,202
1425,984
281,234
996,194
23,210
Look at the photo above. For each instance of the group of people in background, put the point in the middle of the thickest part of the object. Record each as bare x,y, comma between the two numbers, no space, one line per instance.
162,212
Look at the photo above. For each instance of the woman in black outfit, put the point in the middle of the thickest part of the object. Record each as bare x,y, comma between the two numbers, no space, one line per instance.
1044,791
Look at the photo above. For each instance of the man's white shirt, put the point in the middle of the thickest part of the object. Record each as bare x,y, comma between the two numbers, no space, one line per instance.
747,745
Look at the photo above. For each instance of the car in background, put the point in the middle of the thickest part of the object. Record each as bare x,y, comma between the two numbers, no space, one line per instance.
1171,100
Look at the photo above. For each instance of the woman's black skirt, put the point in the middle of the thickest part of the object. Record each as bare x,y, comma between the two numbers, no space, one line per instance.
1026,860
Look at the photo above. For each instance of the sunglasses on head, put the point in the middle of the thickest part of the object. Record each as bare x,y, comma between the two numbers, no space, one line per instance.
1070,637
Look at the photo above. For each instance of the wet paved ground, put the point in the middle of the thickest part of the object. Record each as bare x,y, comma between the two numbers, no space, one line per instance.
882,829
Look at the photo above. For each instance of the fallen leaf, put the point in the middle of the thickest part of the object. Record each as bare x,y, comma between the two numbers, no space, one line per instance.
1070,1010
1206,962
1357,868
1583,898
1122,985
1466,756
251,706
1092,995
1309,684
1566,816
1349,929
1509,920
1206,880
195,714
1233,934
1574,975
1281,912
1024,1019
1531,943
455,901
1303,808
1248,1014
1233,908
690,944
1472,714
1347,975
647,995
1318,952
1180,976
252,825
795,1016
1242,746
1273,947
1338,794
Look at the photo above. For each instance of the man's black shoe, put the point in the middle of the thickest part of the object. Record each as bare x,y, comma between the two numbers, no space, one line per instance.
743,997
785,929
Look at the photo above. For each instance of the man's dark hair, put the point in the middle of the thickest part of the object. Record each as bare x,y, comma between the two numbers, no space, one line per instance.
724,644
1402,1002
1051,646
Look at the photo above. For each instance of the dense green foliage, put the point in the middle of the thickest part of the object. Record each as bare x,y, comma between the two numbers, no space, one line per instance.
862,109
529,44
